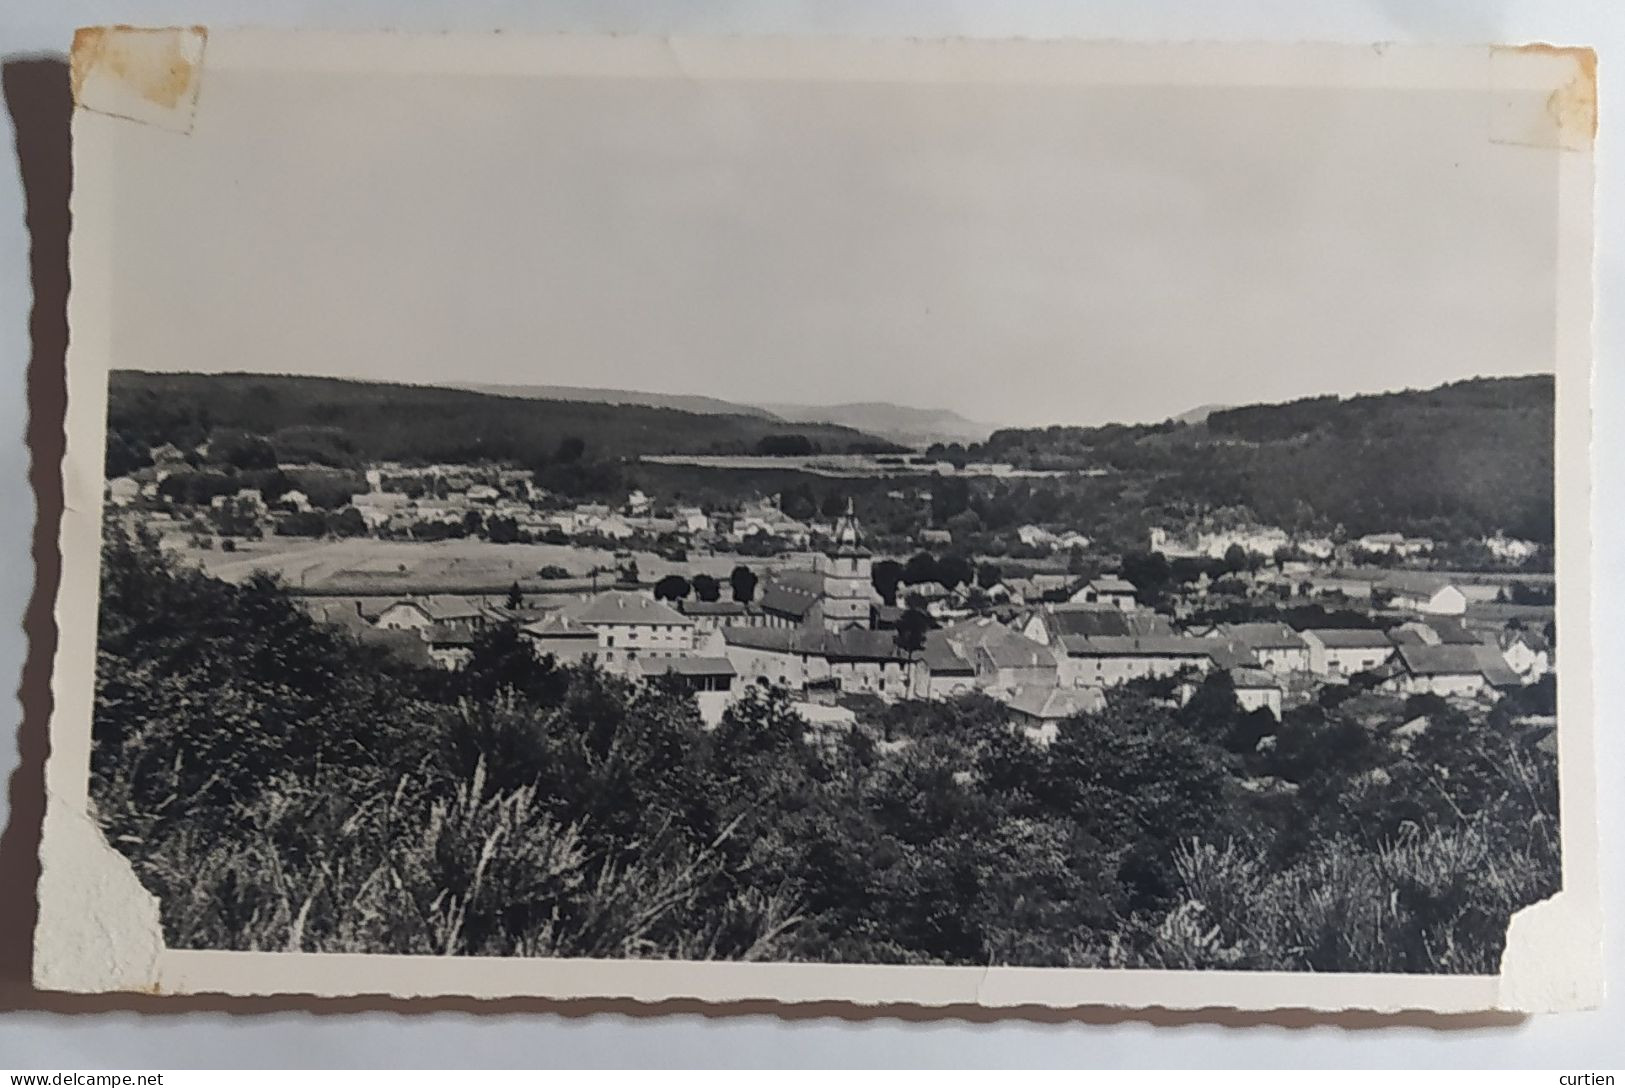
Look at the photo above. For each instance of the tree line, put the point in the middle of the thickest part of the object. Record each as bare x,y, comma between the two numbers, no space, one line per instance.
1455,463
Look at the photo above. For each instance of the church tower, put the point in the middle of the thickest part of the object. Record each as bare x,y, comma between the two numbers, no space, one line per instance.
848,592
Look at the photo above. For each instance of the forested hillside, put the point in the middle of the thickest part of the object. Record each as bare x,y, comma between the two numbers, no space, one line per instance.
377,421
1458,461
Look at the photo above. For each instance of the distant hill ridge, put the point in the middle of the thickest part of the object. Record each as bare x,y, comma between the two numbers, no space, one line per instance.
915,426
1199,414
895,422
383,421
1468,458
700,405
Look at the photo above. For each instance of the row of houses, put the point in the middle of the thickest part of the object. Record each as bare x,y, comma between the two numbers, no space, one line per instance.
821,632
1266,541
1056,646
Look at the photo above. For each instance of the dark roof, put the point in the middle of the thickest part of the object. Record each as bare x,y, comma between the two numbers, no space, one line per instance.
339,614
1253,678
618,606
1423,660
557,625
1111,583
1451,630
1092,620
1232,655
792,592
713,608
1532,639
1005,648
687,666
1351,638
853,644
441,607
1054,704
1496,669
440,634
942,659
782,640
1264,636
858,644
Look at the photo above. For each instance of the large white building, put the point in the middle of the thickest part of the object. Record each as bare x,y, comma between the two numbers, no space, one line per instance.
631,627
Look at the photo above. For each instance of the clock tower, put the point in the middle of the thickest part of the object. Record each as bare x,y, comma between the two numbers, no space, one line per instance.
848,592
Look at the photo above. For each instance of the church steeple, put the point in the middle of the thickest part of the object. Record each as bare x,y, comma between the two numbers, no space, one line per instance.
848,585
848,535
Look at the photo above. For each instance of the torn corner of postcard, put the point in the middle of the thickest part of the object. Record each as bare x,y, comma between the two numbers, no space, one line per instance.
144,74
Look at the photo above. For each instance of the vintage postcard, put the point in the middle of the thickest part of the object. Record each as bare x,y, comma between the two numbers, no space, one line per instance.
893,522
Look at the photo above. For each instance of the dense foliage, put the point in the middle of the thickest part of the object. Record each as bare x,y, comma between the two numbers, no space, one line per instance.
279,786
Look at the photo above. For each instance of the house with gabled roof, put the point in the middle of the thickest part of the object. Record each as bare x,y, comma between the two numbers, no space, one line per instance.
450,646
1039,711
792,598
1455,670
1257,689
777,656
1273,644
563,638
851,661
1109,660
1421,591
1003,659
868,662
694,671
1050,623
1109,590
1526,653
417,613
1342,652
946,671
1437,631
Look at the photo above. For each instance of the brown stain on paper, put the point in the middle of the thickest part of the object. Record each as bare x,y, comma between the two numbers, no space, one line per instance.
148,61
1573,106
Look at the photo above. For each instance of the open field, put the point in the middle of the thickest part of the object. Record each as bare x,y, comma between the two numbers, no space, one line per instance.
856,465
367,567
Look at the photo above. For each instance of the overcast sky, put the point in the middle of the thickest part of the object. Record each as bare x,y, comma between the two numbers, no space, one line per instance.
1021,255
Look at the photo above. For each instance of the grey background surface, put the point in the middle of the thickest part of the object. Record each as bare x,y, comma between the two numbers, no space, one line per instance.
42,1031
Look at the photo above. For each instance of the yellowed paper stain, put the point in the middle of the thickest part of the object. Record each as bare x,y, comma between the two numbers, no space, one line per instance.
1550,101
142,74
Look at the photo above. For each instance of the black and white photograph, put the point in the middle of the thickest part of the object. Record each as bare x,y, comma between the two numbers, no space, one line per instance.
921,506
